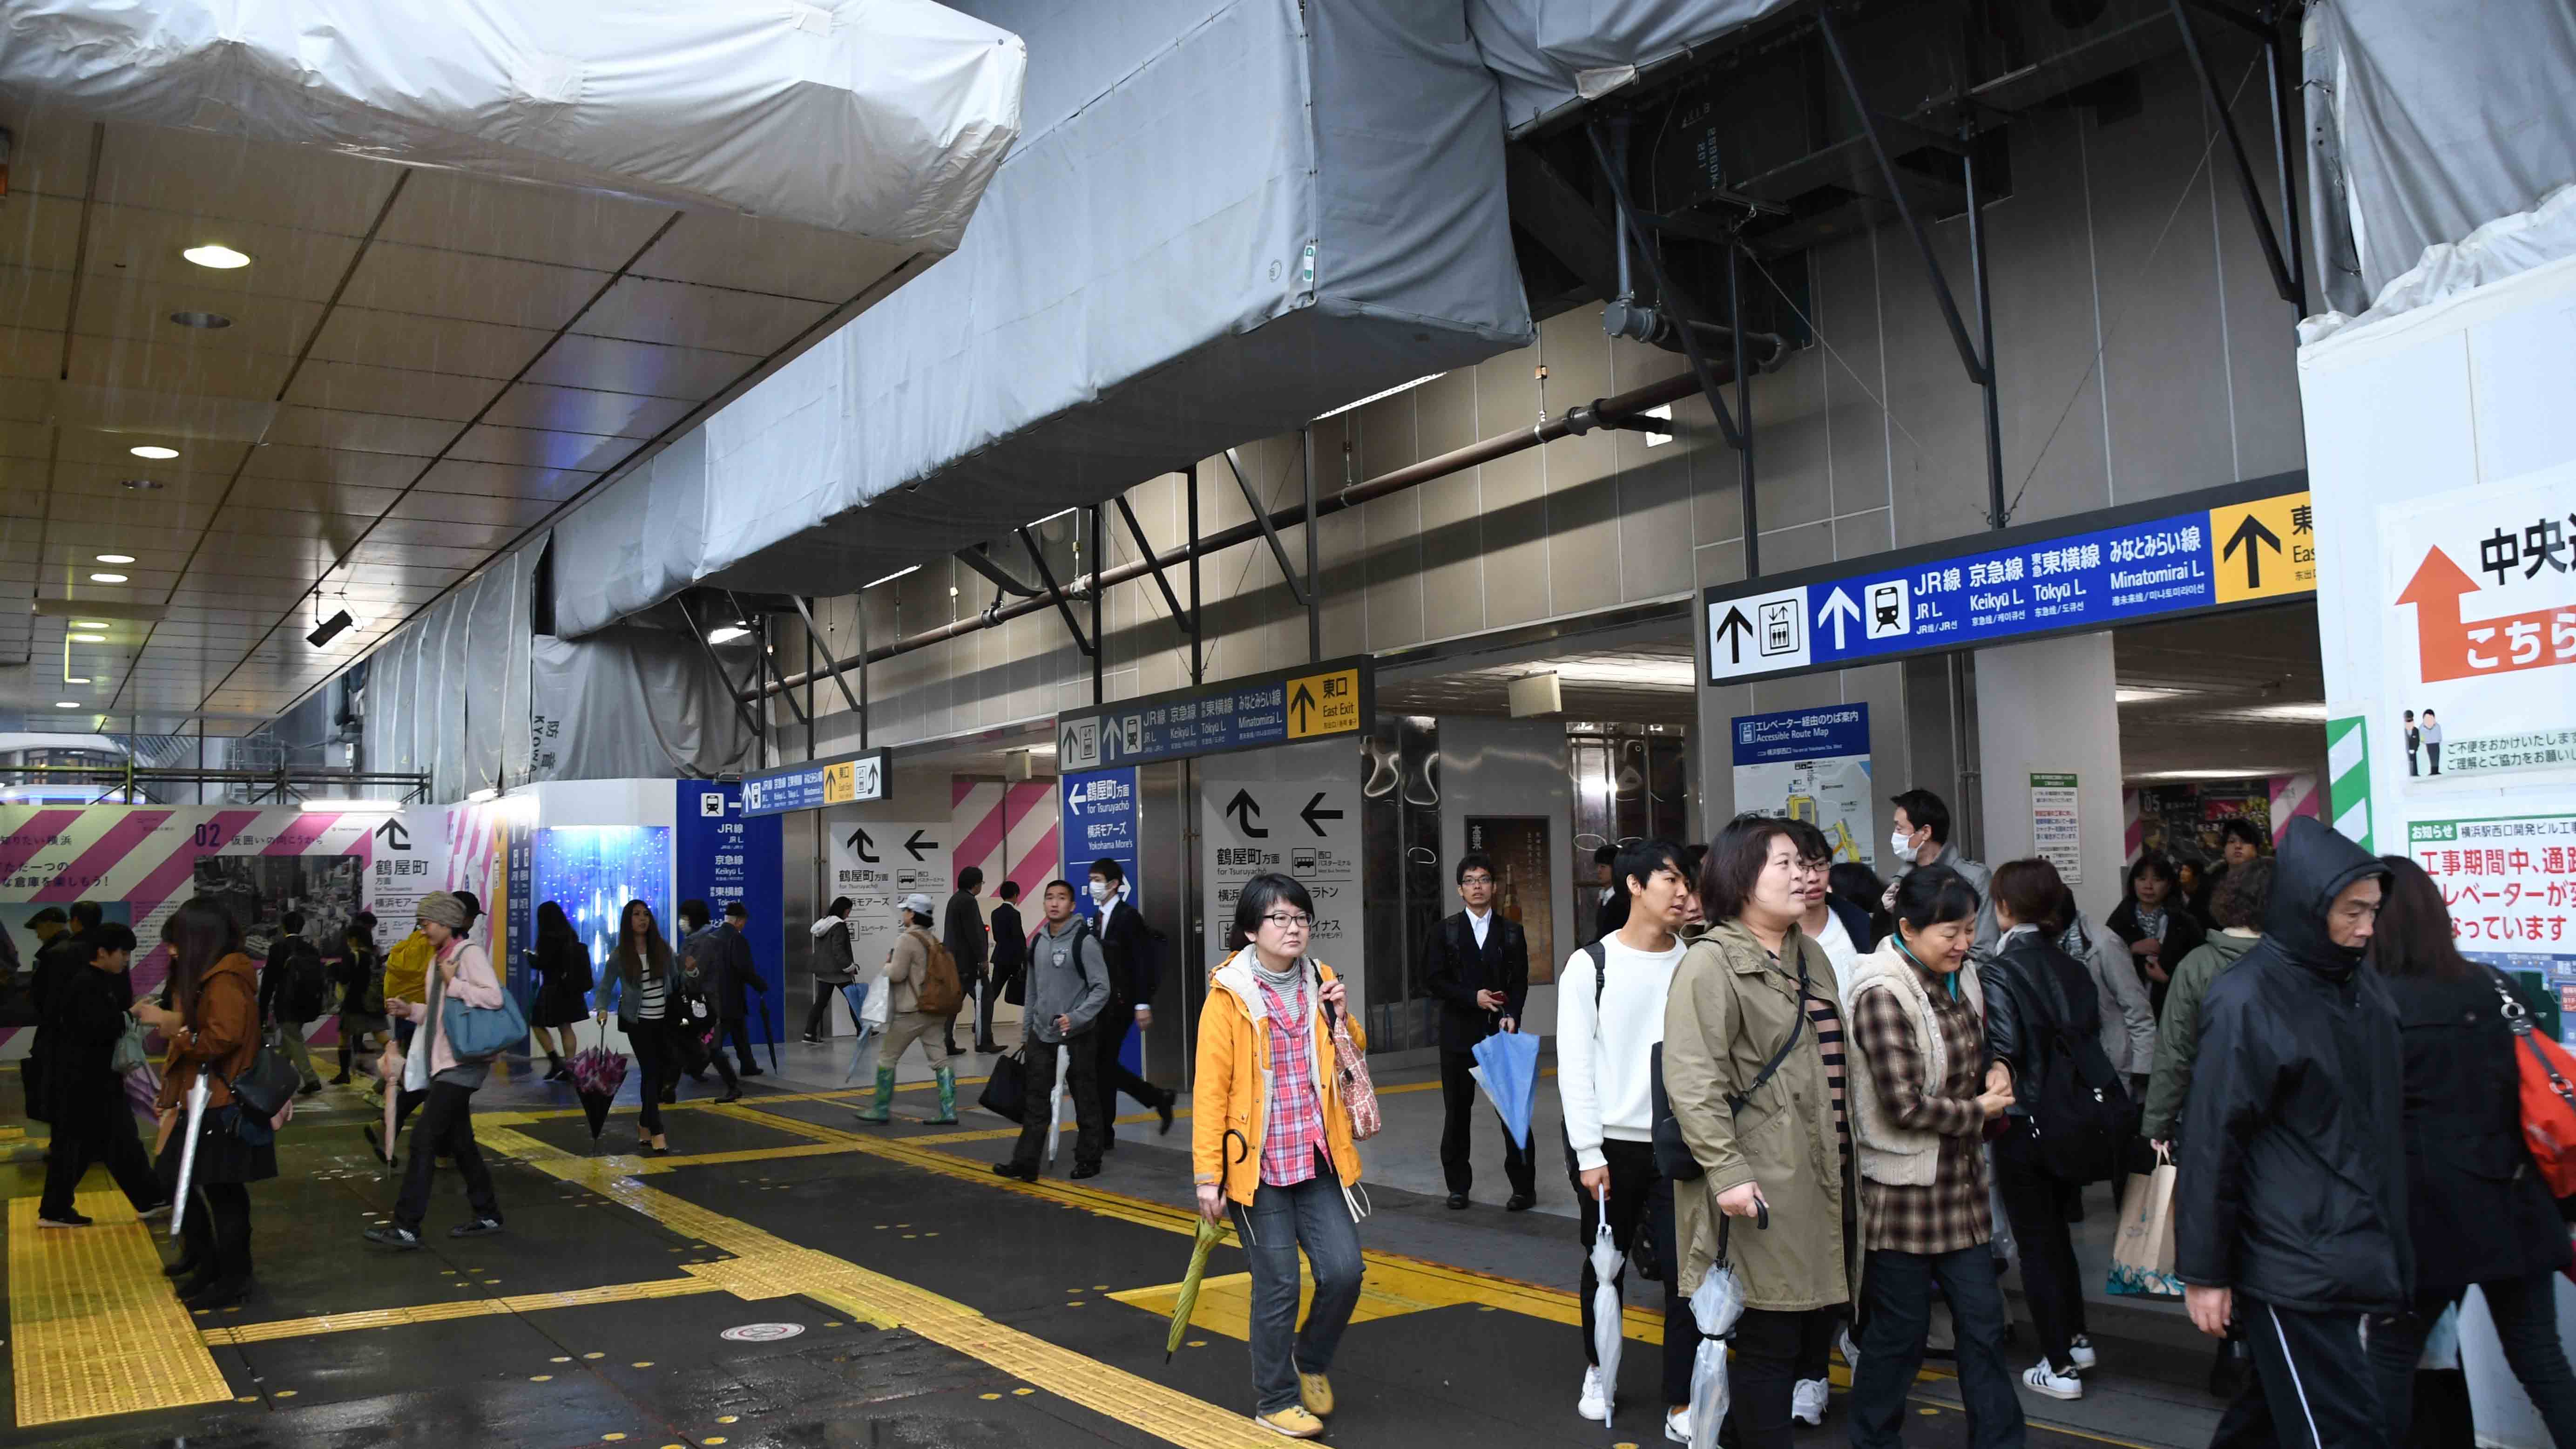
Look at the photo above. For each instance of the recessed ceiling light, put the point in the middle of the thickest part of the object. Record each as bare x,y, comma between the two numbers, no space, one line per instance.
210,321
107,578
116,558
221,258
69,703
142,485
154,451
89,638
88,624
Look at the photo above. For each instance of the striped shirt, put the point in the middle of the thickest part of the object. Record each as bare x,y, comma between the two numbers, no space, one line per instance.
650,998
1828,1022
1292,1129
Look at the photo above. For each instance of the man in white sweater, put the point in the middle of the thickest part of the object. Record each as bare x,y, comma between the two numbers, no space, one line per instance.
1610,1015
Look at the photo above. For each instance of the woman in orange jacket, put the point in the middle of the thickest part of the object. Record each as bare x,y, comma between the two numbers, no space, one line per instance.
1271,1144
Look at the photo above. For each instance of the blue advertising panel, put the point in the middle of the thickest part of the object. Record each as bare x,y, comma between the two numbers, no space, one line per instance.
2246,544
592,871
723,855
1098,821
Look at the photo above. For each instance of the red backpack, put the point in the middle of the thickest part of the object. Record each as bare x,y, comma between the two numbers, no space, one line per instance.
2548,1099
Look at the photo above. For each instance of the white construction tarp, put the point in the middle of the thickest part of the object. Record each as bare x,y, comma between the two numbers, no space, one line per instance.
878,118
448,696
1552,54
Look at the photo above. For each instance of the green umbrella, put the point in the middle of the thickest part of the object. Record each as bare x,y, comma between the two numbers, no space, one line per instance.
1209,1236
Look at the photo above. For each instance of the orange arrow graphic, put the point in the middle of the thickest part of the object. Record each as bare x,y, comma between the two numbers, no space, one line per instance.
2450,647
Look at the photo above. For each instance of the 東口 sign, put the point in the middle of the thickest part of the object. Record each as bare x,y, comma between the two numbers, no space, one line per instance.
1314,701
2218,549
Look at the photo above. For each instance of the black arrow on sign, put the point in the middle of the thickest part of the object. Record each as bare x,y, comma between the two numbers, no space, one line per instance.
1245,810
1314,811
917,845
2248,536
393,835
1302,705
1735,629
864,846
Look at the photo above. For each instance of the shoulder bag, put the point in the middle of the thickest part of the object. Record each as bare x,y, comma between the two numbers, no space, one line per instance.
1351,1075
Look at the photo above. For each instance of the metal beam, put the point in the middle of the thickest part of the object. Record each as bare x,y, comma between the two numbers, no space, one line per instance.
769,668
2291,286
1198,655
981,561
1998,513
1099,653
1261,515
803,611
1055,591
1668,294
1744,409
1145,546
1314,565
698,631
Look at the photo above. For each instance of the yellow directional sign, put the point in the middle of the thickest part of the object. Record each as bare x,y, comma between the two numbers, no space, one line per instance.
1323,704
2266,548
840,783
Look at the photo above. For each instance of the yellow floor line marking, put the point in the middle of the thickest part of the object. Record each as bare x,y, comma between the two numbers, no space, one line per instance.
470,1308
97,1329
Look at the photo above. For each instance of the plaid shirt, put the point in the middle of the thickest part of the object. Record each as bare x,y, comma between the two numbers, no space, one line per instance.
1292,1130
1952,1213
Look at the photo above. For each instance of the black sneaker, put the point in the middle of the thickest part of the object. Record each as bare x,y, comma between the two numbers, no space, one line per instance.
1014,1170
395,1237
1088,1169
152,1214
311,1086
341,1080
63,1220
476,1228
751,1072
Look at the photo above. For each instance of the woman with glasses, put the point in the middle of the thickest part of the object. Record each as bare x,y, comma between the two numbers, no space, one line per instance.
1271,1144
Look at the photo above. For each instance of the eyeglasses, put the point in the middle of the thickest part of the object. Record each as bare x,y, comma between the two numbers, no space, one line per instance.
1289,920
1478,879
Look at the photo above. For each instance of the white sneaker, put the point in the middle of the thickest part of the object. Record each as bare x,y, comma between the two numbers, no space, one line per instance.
2080,1348
2041,1378
1595,1402
1677,1426
1851,1350
1807,1401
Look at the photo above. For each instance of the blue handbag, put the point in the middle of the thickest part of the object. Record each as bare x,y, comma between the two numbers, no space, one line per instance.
480,1033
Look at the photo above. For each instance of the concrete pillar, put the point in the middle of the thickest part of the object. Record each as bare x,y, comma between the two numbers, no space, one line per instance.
2050,708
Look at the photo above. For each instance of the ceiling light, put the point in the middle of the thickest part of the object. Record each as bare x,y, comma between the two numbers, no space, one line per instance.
88,624
726,633
477,797
210,321
67,703
116,558
75,679
890,578
221,258
142,485
354,807
89,638
107,578
2145,694
329,629
154,451
2312,712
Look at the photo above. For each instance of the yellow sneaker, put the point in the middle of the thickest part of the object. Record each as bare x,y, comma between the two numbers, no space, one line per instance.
1292,1421
1316,1392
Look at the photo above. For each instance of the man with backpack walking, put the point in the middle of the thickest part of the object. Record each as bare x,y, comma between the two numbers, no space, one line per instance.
922,997
1068,986
2290,1203
293,991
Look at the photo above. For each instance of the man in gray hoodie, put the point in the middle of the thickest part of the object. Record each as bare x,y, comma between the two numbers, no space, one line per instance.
1068,985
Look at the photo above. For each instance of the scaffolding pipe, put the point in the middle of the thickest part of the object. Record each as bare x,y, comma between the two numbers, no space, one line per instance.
1619,411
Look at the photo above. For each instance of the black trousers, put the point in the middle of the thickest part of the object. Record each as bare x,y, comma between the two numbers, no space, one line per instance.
2312,1386
111,1142
984,993
971,982
1081,1083
215,1233
818,1017
1768,1351
1108,1036
2051,1284
657,1065
1457,1118
1899,1288
2436,751
1640,1197
446,1126
2525,1311
736,1030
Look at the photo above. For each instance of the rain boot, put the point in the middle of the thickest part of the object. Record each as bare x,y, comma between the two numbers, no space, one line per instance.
947,1078
882,1107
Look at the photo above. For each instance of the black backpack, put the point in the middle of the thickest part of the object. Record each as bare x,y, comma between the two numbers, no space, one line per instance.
308,983
2082,1111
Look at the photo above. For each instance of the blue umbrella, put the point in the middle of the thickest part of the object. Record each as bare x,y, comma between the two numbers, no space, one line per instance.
1507,1068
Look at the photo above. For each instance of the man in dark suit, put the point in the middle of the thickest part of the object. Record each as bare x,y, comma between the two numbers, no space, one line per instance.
1612,911
963,932
1010,955
1477,967
1127,943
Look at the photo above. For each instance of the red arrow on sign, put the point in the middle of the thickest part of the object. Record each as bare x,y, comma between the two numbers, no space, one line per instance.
2450,647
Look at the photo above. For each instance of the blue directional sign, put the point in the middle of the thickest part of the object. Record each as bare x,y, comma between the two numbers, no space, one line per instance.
2228,547
843,780
1311,701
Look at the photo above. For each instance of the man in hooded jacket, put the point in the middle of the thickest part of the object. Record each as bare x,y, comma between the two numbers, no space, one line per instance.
2290,1199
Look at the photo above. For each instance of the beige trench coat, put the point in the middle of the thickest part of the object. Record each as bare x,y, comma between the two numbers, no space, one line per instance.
1729,1011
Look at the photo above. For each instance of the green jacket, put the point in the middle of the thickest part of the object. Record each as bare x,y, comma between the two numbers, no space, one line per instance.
2178,1035
1729,1009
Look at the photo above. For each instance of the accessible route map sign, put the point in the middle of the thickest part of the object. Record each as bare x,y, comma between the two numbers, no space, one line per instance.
1310,702
2245,544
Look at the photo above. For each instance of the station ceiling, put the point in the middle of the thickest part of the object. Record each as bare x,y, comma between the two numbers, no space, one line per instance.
412,371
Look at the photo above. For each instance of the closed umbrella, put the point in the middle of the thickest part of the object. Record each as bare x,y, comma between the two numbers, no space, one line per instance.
1055,1104
1606,1341
856,994
1209,1235
596,1075
1507,1068
197,1091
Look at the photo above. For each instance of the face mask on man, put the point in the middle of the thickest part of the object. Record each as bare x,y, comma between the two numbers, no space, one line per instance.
1902,844
1100,893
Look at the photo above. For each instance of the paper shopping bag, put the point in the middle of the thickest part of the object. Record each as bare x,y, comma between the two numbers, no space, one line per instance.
2142,1257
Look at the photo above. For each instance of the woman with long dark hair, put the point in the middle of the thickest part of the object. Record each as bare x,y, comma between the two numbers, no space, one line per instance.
1271,1143
212,1024
2157,922
2476,1207
562,964
641,989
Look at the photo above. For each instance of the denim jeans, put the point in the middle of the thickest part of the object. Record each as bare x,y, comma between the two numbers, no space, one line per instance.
2525,1311
1899,1287
1311,1215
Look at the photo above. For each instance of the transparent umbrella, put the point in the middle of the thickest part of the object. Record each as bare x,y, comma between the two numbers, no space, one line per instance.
1605,1307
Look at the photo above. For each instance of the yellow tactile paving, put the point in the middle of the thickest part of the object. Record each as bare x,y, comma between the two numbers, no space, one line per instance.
94,1326
468,1308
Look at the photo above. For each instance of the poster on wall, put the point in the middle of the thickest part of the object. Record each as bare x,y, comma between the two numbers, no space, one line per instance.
2183,820
2480,584
876,863
719,856
2056,825
1811,765
2510,884
1524,887
592,871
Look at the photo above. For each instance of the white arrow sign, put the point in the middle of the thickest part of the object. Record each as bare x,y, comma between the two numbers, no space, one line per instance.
1838,609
